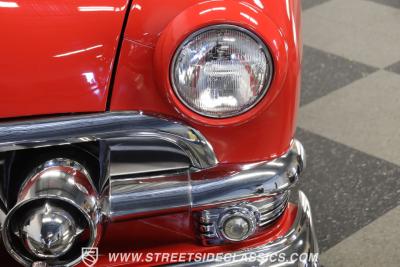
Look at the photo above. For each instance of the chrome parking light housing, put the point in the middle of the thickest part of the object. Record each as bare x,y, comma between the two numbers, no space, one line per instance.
258,214
237,224
299,240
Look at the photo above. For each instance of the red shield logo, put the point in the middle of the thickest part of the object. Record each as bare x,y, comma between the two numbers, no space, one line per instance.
90,256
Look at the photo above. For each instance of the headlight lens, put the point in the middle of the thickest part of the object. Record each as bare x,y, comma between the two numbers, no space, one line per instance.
221,71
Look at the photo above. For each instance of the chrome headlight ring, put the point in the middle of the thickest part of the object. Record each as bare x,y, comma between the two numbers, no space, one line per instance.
221,71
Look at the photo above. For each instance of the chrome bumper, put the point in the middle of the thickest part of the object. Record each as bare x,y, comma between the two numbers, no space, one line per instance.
187,177
128,189
297,248
199,190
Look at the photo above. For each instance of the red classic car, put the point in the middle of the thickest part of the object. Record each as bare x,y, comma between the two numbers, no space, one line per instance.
148,132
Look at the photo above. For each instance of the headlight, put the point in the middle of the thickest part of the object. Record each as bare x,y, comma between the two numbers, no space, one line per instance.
221,71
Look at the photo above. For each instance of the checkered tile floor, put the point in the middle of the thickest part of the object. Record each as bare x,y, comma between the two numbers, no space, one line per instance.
350,125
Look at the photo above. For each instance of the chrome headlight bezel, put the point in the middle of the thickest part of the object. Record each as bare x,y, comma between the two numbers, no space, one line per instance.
266,83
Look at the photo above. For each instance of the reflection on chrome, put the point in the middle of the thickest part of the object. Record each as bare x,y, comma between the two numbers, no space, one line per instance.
300,239
78,51
109,127
143,196
48,231
259,214
152,166
55,206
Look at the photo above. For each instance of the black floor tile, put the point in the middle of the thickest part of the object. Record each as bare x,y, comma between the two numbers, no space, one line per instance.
323,73
347,188
395,67
392,3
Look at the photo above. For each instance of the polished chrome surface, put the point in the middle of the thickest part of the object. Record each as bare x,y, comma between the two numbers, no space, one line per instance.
197,190
55,205
252,180
2,216
155,195
260,213
39,264
269,212
300,239
62,179
3,171
134,156
237,224
48,232
61,196
108,127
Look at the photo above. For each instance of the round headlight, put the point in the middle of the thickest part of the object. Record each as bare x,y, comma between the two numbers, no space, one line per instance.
221,71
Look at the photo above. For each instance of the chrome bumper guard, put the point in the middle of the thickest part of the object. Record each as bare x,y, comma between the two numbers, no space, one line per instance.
297,248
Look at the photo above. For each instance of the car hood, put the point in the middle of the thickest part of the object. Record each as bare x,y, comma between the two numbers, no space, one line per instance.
56,56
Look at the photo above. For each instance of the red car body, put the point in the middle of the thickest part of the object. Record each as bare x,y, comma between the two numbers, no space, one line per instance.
58,57
61,57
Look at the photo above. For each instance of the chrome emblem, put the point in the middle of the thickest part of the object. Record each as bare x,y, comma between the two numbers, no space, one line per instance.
90,256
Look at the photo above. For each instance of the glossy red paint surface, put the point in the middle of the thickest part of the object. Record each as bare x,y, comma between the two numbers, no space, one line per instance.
210,13
153,34
56,55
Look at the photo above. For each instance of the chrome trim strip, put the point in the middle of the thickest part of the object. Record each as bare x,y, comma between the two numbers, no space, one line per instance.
268,217
273,205
196,190
106,126
300,239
